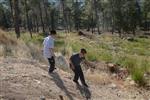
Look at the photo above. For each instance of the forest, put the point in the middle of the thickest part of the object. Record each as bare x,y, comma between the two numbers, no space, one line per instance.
115,36
97,16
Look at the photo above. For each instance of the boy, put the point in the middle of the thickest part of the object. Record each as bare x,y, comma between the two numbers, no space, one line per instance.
75,61
48,50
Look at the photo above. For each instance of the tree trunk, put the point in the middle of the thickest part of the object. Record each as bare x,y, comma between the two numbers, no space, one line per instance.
69,21
34,24
76,17
41,17
92,23
37,24
31,24
11,9
112,30
88,24
96,15
145,21
47,18
64,15
112,18
52,20
27,18
16,18
24,24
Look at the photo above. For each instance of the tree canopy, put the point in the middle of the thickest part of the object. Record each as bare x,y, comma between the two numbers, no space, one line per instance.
96,16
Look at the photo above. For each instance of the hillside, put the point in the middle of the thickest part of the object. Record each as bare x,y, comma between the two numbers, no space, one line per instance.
24,75
26,79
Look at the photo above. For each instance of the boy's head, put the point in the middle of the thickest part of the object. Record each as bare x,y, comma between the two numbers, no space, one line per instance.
52,32
83,52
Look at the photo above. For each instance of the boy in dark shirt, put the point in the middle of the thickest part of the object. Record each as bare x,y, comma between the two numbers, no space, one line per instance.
75,61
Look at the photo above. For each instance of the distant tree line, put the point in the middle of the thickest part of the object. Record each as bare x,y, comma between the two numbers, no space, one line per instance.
123,16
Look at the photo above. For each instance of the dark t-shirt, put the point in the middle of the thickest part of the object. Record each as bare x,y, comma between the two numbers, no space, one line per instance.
76,59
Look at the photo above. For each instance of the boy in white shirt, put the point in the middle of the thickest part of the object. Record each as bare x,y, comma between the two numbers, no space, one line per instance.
48,50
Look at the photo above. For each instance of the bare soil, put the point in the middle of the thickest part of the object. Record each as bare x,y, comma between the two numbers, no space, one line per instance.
26,79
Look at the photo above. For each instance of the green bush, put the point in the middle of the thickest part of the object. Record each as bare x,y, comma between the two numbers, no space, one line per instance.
145,64
59,42
92,56
106,56
129,63
76,47
138,76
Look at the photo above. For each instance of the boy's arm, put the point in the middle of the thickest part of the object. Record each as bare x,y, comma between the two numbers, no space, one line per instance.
89,64
43,45
52,48
71,64
52,51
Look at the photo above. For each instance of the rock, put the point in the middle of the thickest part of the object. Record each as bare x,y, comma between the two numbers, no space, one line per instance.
147,75
42,98
81,33
1,50
113,68
110,65
113,86
114,75
38,82
88,71
82,38
130,39
147,33
61,97
129,78
132,82
134,97
61,61
118,94
144,36
123,73
91,42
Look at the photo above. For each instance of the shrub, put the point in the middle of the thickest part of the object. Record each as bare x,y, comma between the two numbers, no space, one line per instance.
138,76
106,56
92,56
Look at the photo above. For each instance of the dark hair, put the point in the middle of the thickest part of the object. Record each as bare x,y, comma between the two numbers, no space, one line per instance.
83,51
53,32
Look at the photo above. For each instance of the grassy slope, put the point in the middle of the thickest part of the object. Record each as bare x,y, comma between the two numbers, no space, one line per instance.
133,55
103,47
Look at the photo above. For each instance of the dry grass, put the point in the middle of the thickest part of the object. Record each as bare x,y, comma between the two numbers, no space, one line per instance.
6,39
98,78
18,48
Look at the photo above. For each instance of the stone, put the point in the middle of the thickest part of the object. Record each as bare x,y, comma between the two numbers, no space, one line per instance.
113,86
61,61
42,98
128,78
132,82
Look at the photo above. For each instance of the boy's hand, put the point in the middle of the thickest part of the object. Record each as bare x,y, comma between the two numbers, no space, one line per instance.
54,56
71,66
89,64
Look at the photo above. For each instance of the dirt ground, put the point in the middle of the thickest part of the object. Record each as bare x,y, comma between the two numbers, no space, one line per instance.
25,79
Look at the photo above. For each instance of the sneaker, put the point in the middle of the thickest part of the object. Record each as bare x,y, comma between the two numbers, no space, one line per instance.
51,70
85,85
76,82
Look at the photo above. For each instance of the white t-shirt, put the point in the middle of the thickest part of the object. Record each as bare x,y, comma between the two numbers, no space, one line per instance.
48,44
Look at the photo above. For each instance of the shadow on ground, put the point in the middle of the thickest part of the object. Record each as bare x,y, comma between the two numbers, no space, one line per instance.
85,92
58,81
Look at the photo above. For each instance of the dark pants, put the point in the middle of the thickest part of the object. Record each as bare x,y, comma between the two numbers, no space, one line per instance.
51,63
79,74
